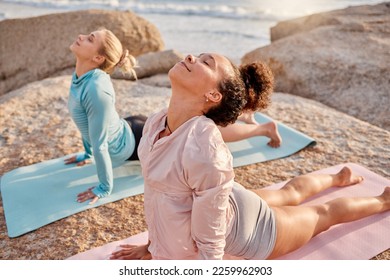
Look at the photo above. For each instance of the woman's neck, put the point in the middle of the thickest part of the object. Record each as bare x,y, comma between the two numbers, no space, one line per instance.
182,109
82,68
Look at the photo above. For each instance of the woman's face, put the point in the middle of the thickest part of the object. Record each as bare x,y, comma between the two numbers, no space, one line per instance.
87,46
200,74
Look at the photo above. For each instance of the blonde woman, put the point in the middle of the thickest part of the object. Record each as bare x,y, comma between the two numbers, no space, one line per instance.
107,137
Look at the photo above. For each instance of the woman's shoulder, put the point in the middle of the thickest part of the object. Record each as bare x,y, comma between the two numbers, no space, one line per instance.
206,139
99,84
158,114
100,78
154,120
207,132
205,146
156,117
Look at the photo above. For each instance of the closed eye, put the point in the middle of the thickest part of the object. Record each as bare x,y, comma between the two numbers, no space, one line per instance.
91,37
207,59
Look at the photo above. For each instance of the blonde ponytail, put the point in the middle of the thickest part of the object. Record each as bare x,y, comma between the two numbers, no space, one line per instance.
127,63
115,56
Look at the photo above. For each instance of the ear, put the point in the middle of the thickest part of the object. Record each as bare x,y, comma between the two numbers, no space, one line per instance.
214,96
99,59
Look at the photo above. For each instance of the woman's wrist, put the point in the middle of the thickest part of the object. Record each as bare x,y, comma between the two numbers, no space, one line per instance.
80,157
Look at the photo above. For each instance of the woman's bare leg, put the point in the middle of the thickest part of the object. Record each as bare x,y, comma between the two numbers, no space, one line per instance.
236,132
296,225
302,187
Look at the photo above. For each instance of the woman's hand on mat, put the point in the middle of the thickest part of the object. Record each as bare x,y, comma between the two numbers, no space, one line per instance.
73,159
132,252
84,196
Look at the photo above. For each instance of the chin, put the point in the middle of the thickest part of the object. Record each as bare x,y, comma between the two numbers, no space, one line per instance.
176,70
171,73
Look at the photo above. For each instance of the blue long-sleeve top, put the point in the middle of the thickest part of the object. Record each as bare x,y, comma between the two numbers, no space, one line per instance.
105,135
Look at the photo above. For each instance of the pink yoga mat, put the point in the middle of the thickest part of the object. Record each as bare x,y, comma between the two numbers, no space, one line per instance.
360,240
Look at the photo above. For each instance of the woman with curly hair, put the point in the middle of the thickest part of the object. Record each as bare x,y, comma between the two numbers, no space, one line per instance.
194,209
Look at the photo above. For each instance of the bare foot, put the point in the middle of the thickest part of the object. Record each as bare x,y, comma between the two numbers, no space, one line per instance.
386,197
273,134
248,117
347,178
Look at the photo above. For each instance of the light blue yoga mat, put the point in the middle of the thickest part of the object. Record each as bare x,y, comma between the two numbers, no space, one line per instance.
255,149
39,194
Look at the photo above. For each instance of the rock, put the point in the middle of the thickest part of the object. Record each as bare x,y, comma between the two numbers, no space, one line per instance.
340,58
37,47
151,64
353,18
159,80
303,24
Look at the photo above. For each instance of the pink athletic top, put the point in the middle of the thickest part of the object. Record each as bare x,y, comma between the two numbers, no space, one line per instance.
188,178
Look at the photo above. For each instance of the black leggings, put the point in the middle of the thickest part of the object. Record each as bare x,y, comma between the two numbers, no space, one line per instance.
137,125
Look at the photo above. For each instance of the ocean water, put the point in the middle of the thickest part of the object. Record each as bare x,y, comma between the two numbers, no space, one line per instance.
229,27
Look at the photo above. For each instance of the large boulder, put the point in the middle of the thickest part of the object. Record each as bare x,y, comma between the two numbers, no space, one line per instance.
354,17
151,64
34,48
339,58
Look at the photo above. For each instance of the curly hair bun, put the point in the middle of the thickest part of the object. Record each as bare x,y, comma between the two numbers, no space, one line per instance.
259,85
